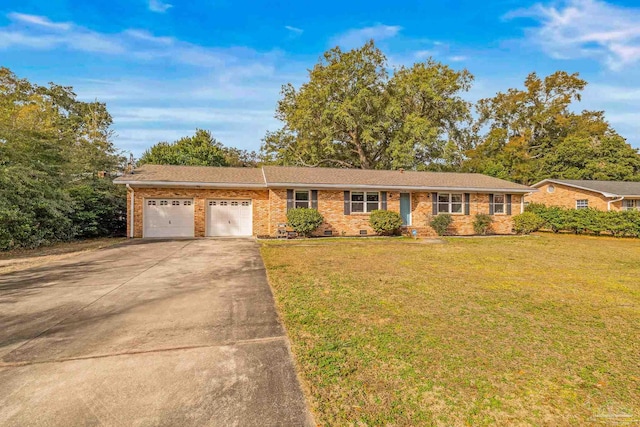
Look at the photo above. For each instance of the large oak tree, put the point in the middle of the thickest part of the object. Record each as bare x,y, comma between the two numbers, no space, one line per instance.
533,133
354,112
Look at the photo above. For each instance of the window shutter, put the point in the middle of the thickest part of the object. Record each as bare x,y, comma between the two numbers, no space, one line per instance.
314,199
289,200
347,204
383,196
490,204
467,199
434,203
508,204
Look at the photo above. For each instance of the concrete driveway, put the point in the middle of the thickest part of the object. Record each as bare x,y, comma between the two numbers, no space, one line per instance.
147,333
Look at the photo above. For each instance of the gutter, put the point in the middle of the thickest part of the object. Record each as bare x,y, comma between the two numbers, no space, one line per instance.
614,201
400,187
133,193
189,184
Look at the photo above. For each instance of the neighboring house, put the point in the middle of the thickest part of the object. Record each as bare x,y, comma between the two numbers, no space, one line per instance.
581,194
187,201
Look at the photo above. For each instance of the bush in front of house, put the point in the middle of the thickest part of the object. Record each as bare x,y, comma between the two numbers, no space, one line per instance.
440,223
304,221
527,222
482,224
385,223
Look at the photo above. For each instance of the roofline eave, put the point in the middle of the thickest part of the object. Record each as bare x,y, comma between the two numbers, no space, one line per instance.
593,190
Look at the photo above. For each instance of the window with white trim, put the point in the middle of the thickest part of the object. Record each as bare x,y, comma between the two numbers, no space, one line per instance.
499,202
450,203
582,204
301,199
630,204
365,201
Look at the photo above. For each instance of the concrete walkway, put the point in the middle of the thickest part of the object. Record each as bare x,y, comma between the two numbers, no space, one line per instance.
148,333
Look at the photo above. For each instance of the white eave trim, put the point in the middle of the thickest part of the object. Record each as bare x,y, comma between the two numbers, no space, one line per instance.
322,186
400,188
604,193
190,184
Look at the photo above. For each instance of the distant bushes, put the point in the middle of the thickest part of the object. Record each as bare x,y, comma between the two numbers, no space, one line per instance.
385,222
578,221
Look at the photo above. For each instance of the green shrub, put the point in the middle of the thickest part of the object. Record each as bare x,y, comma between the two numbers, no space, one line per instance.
554,218
482,224
440,223
385,222
527,222
536,208
304,220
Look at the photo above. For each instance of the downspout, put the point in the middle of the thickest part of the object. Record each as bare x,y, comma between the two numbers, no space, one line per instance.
132,221
613,201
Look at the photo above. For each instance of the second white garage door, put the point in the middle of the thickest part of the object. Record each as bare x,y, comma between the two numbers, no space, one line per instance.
229,218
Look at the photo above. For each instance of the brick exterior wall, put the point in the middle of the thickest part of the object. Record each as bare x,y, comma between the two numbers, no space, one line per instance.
422,214
270,209
566,196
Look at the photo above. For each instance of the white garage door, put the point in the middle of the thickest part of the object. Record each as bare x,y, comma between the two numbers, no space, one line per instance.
168,218
229,218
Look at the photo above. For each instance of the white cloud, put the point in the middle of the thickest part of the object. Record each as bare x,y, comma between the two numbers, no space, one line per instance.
159,6
423,54
39,20
131,44
359,36
294,30
206,115
585,29
147,36
457,58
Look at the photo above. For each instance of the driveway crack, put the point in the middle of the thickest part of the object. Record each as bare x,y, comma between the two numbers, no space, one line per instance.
151,351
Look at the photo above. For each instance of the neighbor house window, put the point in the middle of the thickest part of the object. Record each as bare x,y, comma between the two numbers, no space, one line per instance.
450,203
362,201
630,204
302,199
499,201
582,204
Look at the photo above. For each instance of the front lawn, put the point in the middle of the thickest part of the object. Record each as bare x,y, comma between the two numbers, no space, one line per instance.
540,330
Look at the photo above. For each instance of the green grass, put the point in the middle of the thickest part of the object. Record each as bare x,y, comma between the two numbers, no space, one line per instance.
540,330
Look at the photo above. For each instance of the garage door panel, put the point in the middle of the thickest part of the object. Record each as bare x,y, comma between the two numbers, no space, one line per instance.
169,218
229,218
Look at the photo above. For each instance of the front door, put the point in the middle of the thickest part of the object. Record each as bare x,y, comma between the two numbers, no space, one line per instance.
405,208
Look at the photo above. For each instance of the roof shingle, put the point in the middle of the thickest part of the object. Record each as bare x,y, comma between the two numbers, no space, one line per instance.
280,176
616,188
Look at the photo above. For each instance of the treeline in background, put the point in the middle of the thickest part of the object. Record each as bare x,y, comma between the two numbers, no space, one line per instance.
57,157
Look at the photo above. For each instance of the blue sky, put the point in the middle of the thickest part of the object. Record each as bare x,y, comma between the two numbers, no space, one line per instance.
165,67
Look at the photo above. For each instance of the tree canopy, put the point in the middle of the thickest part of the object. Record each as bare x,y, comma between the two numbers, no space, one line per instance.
532,134
201,149
354,113
52,149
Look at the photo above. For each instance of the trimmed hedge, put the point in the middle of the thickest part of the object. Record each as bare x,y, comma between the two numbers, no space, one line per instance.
304,220
527,222
385,222
579,221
